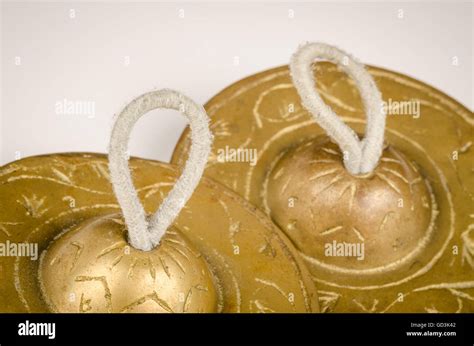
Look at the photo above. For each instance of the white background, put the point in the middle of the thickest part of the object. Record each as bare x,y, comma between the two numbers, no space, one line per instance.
82,59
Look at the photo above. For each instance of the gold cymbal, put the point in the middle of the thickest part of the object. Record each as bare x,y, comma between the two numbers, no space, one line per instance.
269,149
221,254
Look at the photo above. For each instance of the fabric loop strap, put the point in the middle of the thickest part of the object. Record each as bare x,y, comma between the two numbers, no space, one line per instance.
360,156
145,233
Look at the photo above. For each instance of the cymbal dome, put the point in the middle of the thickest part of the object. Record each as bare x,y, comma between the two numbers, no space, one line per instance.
92,268
320,205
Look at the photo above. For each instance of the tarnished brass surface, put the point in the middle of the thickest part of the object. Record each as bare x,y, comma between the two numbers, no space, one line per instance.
221,255
423,260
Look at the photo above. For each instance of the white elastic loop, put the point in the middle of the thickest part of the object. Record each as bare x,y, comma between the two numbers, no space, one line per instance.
361,156
144,234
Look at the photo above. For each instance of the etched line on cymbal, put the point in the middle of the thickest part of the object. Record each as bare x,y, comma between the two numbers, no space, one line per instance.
181,244
465,147
384,220
453,288
220,128
61,161
353,189
323,174
285,185
103,281
264,189
456,172
179,251
33,205
416,181
62,176
84,305
233,227
201,288
467,247
10,223
267,248
276,287
154,188
284,113
398,175
312,216
321,161
460,305
337,102
150,297
244,89
12,168
365,309
279,173
432,310
187,301
38,177
131,268
333,182
235,283
389,182
175,260
117,246
394,302
79,248
151,268
413,165
358,234
261,307
460,294
101,169
118,221
331,151
328,300
410,185
245,143
116,261
4,229
391,160
174,241
234,185
330,230
453,260
165,267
